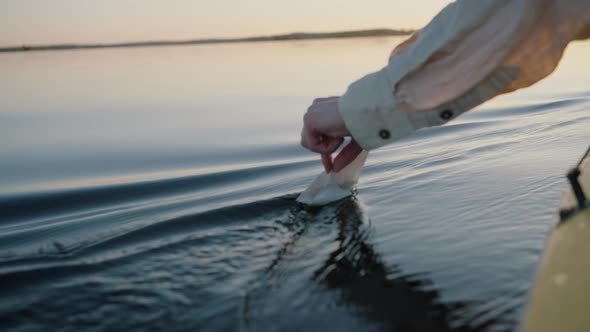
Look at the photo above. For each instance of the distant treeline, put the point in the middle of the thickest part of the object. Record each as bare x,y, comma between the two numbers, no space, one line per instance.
290,36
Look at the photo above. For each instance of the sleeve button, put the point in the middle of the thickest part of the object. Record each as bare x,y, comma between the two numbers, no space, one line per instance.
446,114
384,134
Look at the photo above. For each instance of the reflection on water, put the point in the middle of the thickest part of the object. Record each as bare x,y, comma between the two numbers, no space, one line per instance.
360,285
154,188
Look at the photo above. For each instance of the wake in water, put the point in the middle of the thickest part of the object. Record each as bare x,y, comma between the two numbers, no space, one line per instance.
327,275
297,267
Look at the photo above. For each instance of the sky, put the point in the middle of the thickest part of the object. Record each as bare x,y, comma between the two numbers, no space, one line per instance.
29,22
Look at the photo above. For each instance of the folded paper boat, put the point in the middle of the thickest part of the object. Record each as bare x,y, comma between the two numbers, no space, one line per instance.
328,188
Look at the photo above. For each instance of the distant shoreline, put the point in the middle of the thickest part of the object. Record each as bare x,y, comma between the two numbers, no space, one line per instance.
283,37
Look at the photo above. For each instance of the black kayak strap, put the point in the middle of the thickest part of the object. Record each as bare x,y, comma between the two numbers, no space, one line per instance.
573,177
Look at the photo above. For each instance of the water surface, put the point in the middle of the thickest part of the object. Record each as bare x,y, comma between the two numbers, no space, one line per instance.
154,188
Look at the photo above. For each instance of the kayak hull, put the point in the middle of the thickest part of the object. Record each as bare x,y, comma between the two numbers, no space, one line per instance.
560,298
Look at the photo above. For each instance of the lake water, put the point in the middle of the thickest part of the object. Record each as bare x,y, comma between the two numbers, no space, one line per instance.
154,189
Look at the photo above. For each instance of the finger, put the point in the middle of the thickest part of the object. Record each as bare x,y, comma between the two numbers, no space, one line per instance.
327,161
313,142
346,156
331,144
308,140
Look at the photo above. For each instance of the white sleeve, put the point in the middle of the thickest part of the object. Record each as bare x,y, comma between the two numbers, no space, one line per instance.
373,118
470,52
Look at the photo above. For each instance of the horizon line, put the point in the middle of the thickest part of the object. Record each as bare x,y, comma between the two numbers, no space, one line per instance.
270,38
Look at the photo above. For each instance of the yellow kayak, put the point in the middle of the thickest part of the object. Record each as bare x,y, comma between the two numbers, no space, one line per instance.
560,299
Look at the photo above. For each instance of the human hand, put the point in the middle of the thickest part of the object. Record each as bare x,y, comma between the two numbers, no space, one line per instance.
324,131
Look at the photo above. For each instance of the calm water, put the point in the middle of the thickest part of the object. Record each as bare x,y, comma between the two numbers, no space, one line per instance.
153,189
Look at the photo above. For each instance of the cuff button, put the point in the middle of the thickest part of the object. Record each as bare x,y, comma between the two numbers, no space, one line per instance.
446,114
385,134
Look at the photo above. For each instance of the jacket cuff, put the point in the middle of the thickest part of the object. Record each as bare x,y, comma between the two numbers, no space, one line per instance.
373,118
370,112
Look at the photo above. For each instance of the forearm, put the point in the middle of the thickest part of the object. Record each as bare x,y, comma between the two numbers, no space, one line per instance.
538,55
471,52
